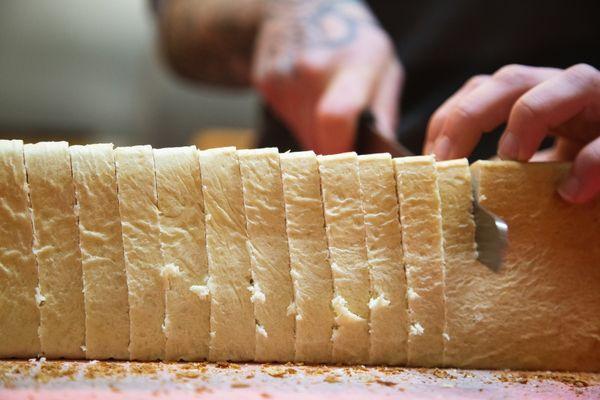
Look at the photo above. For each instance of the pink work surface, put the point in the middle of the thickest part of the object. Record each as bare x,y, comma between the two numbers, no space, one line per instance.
65,380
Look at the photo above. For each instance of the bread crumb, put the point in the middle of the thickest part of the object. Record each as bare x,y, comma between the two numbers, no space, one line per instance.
417,329
201,291
379,302
261,331
40,299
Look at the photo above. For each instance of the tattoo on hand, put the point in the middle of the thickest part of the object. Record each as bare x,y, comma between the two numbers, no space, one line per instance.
323,23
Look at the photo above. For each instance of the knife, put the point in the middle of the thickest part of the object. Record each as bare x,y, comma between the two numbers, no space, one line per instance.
491,231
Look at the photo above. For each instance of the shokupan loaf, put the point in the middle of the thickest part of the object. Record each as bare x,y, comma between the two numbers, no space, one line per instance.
183,246
272,291
19,314
541,309
345,227
232,321
310,270
182,227
143,258
56,249
101,243
423,256
389,317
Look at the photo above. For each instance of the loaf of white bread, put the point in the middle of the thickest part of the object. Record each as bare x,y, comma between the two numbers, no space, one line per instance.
136,253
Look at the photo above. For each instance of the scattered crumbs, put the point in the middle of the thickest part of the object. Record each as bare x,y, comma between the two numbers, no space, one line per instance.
187,374
239,385
249,376
114,389
442,374
143,368
222,364
265,395
332,379
385,383
202,389
275,372
235,366
291,371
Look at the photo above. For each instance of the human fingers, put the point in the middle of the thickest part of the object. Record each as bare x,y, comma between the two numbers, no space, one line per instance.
437,120
583,182
486,107
547,106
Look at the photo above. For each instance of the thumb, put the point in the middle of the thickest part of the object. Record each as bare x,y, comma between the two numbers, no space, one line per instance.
583,182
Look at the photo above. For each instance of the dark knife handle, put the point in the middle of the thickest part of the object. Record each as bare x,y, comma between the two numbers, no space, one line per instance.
369,140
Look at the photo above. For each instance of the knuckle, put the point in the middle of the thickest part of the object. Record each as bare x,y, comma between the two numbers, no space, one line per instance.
583,70
476,80
513,73
527,108
584,75
465,111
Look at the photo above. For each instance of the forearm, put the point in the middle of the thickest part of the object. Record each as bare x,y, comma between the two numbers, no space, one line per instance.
210,41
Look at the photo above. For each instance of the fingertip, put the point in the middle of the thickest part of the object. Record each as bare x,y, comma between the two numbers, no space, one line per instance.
442,148
583,182
508,148
570,189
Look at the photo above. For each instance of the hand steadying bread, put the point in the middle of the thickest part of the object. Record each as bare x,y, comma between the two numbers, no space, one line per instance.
534,102
251,255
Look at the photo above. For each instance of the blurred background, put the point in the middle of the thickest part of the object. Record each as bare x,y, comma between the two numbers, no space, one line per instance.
89,71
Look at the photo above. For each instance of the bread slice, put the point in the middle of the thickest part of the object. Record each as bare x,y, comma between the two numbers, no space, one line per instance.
273,294
232,323
183,244
540,309
345,227
460,256
19,314
421,220
103,265
143,259
389,318
310,269
56,248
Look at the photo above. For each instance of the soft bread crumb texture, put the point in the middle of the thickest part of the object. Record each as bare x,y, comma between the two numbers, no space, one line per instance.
19,292
56,249
310,269
389,317
136,184
421,219
232,322
269,254
345,228
183,248
101,243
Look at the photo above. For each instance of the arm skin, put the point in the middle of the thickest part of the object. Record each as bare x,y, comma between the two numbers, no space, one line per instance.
210,41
